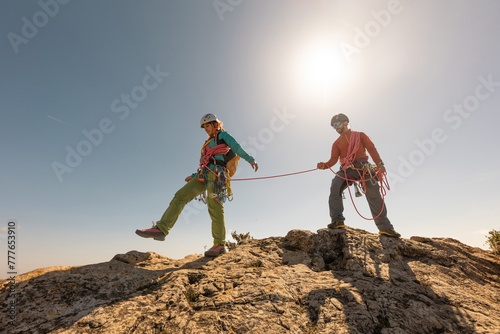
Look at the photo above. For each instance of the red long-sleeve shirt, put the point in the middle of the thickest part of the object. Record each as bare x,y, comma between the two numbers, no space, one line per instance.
340,146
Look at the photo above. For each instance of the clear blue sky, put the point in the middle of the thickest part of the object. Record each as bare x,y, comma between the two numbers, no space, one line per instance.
123,84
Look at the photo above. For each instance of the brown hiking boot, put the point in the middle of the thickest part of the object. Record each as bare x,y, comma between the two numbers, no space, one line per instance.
334,225
390,233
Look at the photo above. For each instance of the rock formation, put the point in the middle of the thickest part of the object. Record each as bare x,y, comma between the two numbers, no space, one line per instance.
347,281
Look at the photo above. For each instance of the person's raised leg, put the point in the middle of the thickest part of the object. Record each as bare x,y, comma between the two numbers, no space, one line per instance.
183,196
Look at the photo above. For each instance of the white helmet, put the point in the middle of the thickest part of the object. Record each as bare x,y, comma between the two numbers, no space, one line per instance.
208,118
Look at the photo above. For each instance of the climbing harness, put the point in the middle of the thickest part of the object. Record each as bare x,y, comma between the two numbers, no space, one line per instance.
222,185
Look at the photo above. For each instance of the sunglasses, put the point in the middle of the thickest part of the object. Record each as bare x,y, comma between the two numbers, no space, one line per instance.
336,124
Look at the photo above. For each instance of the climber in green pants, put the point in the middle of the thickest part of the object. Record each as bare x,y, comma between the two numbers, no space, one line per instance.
219,158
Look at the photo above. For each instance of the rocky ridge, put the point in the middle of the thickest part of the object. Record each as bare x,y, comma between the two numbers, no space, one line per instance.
331,281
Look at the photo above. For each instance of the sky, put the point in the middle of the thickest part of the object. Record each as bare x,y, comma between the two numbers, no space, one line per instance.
100,103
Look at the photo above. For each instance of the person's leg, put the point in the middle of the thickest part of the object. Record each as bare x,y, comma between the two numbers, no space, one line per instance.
335,201
216,212
377,206
183,196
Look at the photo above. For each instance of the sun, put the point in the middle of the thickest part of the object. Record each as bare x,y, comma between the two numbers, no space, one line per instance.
322,70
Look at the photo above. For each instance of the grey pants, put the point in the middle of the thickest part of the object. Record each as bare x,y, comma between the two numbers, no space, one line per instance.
372,194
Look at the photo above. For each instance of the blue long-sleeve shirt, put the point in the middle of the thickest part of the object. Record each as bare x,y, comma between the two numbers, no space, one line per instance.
233,145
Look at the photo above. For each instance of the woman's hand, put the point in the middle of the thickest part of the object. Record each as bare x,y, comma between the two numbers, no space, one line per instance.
189,178
254,165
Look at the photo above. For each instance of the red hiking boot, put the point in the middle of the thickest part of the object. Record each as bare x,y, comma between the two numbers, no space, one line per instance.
215,251
153,232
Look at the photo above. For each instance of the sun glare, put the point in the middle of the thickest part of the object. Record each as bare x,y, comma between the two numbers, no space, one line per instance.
322,71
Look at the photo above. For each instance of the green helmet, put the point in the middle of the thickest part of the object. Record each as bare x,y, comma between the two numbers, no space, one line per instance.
208,118
339,118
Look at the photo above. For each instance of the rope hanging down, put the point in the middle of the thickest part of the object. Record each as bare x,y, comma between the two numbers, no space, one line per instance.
384,186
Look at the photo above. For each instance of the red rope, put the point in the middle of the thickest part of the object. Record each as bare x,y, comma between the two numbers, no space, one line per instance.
271,177
351,150
208,152
384,184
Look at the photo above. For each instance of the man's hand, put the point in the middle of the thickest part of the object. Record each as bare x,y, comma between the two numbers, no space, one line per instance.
380,168
254,165
322,165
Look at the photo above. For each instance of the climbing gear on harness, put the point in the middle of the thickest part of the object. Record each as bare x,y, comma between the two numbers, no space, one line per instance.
370,168
222,184
357,192
203,196
207,119
222,187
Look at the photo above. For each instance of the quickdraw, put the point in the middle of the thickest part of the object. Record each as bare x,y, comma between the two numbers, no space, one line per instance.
222,186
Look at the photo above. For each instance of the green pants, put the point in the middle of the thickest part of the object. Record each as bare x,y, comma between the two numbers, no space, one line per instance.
187,193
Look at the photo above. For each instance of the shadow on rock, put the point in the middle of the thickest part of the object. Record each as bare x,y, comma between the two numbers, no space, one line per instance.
374,289
57,299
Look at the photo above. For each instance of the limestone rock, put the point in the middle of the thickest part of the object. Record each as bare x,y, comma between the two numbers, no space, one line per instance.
348,281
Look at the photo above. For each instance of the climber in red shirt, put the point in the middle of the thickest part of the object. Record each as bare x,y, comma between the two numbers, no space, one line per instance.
351,149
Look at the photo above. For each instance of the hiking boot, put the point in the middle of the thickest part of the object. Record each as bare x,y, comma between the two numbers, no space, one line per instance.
334,225
390,233
153,232
215,251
